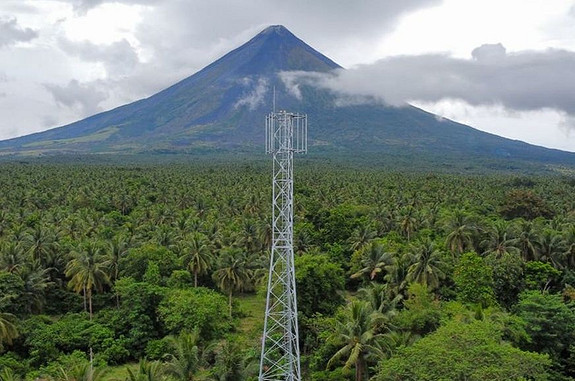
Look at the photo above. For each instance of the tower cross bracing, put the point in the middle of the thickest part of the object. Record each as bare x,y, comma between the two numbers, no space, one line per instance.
286,134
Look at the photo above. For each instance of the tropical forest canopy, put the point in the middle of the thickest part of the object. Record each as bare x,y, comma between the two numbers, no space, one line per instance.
157,272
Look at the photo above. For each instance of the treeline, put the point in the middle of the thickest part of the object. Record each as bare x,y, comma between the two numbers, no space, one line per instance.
400,276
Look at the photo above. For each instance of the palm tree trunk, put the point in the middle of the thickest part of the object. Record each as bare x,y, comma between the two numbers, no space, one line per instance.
230,302
358,370
196,278
117,295
84,294
90,302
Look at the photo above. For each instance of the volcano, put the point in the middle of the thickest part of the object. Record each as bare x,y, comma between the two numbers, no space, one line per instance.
222,108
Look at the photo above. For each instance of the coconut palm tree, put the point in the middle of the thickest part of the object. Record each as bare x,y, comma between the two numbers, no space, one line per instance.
229,362
249,237
43,243
361,236
20,234
359,342
12,256
4,221
165,236
8,374
384,219
88,270
396,277
569,242
527,239
426,264
266,235
233,272
80,372
8,330
185,361
407,222
499,240
551,248
214,234
302,241
461,229
116,249
198,255
36,280
377,294
374,259
147,371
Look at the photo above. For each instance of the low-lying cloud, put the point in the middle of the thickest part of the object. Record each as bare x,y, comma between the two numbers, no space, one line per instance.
522,81
255,96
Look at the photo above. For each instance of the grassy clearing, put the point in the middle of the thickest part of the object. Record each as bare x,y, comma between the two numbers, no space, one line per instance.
119,372
253,309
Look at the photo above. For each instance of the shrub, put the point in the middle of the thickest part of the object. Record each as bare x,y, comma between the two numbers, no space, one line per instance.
201,308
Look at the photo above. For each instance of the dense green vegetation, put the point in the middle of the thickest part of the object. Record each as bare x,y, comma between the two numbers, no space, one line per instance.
401,276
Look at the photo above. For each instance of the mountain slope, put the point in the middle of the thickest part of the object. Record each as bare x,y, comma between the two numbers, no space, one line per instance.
223,106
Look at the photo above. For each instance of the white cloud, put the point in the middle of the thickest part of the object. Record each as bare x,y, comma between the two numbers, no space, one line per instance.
567,124
255,96
545,127
292,80
529,80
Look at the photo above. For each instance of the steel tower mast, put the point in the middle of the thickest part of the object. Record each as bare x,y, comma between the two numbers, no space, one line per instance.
286,134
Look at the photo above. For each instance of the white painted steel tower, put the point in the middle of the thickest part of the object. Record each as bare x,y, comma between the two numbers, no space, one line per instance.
286,133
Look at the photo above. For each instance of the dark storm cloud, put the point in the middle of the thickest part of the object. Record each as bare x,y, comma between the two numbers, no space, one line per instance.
11,32
85,98
528,80
119,57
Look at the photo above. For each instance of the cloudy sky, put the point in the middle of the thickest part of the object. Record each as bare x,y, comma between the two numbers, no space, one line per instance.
502,66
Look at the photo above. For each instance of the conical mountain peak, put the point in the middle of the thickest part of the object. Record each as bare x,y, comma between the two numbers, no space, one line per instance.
276,29
221,108
273,50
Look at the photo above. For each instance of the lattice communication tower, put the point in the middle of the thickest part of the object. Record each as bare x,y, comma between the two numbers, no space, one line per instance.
286,134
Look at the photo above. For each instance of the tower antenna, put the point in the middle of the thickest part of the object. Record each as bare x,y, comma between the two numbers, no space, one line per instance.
286,134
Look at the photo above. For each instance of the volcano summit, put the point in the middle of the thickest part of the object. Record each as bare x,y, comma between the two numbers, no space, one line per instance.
222,108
